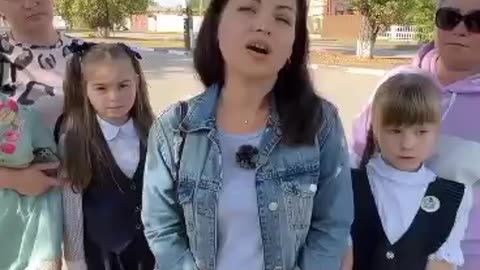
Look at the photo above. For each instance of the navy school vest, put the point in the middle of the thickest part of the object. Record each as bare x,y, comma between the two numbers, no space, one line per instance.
112,203
427,233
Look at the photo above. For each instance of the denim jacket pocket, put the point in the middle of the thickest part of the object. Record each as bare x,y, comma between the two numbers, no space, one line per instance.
185,193
299,193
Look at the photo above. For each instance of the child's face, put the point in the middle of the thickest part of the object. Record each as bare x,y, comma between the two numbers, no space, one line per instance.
406,147
112,88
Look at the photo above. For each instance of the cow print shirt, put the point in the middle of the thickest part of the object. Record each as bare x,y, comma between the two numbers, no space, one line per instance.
34,74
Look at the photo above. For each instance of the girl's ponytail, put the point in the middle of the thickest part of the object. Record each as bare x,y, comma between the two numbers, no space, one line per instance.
370,149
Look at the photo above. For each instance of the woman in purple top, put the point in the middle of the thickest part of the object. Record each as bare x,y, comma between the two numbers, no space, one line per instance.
454,59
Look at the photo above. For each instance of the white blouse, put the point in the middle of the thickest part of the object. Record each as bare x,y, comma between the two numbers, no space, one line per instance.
124,144
398,196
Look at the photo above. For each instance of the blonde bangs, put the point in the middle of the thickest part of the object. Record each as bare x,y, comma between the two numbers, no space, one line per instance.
407,99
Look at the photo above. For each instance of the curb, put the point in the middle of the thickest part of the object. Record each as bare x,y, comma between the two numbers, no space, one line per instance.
354,70
172,51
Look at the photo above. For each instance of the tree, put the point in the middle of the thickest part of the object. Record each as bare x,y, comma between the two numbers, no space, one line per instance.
422,16
65,9
102,15
199,7
377,16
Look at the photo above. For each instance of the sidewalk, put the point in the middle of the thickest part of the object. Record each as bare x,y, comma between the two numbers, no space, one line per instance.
323,52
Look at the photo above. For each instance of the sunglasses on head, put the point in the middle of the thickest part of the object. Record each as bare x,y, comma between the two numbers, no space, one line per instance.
448,18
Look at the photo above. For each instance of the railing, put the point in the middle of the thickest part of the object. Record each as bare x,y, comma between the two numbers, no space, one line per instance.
399,33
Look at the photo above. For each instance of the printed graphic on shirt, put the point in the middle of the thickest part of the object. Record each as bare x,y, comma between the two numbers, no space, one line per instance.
5,46
47,61
24,59
33,75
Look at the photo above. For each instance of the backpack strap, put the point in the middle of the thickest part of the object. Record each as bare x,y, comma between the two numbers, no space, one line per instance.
183,135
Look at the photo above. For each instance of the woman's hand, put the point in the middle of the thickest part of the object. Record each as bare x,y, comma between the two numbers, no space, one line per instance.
439,265
32,181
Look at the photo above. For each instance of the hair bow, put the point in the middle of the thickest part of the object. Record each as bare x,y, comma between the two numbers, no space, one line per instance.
81,49
130,51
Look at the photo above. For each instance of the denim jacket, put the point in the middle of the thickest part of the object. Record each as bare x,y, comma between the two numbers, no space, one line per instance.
310,186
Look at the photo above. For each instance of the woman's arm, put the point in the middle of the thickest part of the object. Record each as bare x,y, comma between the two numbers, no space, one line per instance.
6,178
161,213
32,181
332,214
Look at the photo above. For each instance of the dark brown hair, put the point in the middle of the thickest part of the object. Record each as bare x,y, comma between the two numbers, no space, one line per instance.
404,99
82,144
298,106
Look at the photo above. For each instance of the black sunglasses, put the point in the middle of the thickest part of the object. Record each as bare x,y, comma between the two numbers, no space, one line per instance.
448,18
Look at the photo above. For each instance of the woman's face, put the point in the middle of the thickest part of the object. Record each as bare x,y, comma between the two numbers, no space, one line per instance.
256,36
28,15
460,48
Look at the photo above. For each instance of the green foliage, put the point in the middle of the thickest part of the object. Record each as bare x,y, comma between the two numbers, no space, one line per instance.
422,16
381,14
99,13
199,7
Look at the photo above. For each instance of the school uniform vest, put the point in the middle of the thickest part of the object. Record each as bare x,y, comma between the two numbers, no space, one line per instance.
427,233
112,203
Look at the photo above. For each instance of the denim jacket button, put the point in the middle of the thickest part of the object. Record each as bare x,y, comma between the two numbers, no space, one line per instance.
273,206
313,188
277,268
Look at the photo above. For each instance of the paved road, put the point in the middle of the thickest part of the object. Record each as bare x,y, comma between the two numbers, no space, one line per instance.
171,78
382,48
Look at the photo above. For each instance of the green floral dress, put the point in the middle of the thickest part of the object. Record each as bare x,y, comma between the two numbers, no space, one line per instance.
31,227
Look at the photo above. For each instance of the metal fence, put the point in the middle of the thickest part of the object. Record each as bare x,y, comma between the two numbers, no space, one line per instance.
399,33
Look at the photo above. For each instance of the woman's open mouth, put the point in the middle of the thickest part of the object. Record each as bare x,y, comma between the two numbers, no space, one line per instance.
259,47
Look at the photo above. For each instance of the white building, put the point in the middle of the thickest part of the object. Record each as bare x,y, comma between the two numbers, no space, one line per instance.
316,11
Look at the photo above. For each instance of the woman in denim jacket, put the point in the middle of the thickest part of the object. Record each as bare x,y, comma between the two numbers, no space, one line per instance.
253,173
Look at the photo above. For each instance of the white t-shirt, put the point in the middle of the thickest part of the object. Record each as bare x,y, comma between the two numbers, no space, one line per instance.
34,74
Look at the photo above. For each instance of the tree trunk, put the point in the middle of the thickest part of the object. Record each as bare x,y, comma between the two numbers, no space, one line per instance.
103,32
367,39
105,24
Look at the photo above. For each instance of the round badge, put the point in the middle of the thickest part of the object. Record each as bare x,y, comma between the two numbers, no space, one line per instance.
430,204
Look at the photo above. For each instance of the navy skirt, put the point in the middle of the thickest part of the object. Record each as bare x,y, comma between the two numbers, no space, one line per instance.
136,256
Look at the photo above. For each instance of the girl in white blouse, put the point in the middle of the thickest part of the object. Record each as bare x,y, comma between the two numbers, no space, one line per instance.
107,116
405,216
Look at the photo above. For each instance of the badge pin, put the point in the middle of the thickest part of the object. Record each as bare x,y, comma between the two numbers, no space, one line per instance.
430,204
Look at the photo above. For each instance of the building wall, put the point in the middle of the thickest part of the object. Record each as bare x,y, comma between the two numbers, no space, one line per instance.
341,26
139,23
337,7
162,23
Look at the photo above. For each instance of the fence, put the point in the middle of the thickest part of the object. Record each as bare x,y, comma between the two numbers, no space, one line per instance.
399,33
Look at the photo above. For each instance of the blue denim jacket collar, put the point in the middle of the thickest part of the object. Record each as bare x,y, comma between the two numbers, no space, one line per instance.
201,116
201,112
